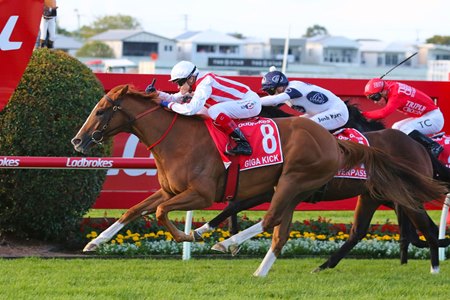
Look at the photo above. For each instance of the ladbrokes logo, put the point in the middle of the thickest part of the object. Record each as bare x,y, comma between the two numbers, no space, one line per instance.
19,27
89,163
5,43
8,162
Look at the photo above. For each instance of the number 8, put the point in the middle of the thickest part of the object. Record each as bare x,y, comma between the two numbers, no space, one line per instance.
269,143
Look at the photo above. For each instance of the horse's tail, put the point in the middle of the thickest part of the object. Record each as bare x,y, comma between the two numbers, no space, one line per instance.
388,179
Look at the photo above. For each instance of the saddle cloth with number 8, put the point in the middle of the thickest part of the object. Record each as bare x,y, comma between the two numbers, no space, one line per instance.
263,136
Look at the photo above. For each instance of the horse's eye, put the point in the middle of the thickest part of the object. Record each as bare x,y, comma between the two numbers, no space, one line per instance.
99,112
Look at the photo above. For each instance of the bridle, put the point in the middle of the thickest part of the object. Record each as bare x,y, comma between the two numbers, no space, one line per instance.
98,135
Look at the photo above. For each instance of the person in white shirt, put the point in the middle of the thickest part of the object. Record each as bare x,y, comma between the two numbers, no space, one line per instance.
314,102
47,27
219,98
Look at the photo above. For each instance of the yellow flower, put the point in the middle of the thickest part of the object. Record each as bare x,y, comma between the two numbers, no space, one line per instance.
386,238
294,233
150,235
169,236
138,244
91,235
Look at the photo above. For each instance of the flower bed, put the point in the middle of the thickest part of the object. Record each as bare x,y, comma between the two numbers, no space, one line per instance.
307,238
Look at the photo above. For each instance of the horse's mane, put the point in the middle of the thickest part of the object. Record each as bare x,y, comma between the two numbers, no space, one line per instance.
358,121
133,91
142,95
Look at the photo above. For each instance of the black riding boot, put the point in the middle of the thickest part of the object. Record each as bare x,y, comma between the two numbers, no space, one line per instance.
242,145
50,44
431,145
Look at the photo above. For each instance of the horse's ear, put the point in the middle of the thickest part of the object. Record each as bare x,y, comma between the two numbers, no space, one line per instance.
124,90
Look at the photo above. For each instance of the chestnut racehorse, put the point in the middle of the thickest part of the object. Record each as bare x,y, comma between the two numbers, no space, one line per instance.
394,142
192,175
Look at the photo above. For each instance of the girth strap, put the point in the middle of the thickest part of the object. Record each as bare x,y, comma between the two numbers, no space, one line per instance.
231,180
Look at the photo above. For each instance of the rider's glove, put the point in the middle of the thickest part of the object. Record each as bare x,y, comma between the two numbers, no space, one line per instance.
150,89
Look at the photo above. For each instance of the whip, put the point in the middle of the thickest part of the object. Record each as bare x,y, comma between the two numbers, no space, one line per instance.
400,63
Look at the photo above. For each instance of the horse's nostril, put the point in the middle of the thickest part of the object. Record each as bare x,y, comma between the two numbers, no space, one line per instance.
76,141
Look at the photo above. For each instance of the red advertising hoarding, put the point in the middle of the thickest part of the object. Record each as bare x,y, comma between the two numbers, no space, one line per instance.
124,188
19,25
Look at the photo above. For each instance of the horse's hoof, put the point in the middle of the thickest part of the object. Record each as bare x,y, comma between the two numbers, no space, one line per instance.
196,236
90,247
316,270
257,273
434,270
182,237
219,247
234,249
189,238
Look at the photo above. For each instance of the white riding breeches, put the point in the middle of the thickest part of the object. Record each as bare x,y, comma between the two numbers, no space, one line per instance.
248,107
430,123
331,119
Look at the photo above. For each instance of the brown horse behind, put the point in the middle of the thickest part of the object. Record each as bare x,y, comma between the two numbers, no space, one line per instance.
192,175
391,141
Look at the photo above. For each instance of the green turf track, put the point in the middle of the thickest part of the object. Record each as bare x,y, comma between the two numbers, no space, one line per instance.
34,278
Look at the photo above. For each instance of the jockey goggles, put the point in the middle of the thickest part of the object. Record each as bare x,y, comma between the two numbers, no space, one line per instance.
271,91
374,97
180,82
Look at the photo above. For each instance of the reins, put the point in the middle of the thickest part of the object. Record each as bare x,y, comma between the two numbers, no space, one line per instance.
116,107
164,134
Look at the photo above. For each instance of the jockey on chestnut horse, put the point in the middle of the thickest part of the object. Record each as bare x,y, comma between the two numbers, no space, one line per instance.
192,173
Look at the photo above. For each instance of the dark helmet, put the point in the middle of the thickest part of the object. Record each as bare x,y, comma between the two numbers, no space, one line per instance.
272,80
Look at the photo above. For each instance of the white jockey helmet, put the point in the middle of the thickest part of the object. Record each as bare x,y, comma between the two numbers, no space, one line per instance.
183,70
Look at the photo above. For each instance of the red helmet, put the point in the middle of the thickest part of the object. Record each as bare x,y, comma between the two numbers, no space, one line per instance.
374,88
375,85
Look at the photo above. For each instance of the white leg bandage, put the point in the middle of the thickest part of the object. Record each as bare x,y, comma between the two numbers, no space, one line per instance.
243,235
204,228
266,264
108,233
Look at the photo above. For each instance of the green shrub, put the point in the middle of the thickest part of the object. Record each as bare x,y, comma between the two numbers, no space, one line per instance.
54,96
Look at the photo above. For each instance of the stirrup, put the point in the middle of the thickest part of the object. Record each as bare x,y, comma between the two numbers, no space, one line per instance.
436,150
239,149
